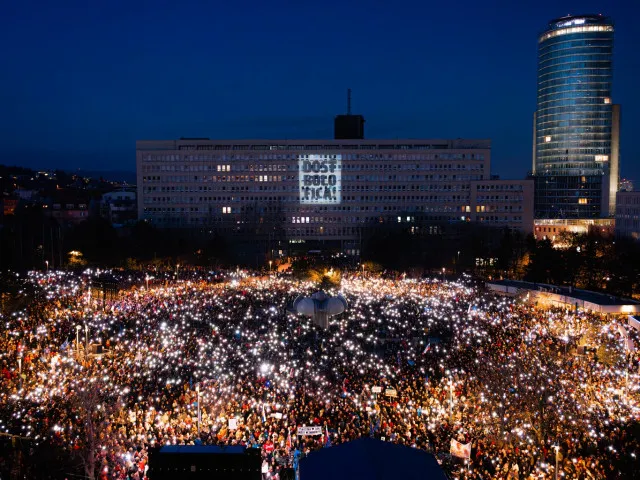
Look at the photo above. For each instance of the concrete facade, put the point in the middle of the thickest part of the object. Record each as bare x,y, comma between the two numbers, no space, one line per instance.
230,185
503,203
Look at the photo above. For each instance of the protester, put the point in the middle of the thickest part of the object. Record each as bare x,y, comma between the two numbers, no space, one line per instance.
198,362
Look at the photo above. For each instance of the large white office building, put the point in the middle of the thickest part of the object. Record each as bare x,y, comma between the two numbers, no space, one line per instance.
315,190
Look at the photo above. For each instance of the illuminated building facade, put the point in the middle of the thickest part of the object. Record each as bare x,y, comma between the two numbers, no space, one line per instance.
628,215
320,190
554,229
576,125
500,203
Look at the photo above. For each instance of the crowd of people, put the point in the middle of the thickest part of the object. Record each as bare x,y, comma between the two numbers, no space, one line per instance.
228,363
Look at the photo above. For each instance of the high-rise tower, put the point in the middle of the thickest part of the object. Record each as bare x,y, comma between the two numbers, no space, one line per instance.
576,126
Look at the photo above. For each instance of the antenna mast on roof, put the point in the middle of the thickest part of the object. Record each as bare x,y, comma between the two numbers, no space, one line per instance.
348,101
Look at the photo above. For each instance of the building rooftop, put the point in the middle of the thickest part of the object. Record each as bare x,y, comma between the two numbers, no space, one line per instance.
317,144
576,20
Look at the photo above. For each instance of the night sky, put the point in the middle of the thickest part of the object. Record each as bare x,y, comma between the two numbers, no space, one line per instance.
82,81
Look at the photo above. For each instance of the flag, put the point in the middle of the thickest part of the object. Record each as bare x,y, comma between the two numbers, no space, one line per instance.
630,345
427,348
327,442
264,415
65,345
462,450
288,443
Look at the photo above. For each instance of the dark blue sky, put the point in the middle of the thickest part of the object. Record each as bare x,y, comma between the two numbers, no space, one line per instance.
82,81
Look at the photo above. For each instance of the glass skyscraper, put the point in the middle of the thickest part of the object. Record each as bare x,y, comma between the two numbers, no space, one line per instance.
576,125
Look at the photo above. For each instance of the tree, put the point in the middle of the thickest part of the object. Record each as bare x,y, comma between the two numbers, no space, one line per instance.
94,406
544,266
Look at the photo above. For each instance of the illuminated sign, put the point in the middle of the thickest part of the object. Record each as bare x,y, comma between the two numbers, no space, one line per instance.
576,21
320,179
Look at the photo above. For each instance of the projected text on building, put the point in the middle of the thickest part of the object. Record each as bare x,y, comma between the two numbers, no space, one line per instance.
320,179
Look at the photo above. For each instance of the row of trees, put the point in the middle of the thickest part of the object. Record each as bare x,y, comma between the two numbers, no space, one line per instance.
589,261
30,239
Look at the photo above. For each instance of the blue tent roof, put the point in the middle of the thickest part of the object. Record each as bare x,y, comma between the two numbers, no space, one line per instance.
371,459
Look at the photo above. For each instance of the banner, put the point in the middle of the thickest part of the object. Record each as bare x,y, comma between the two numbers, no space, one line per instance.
376,389
391,392
309,430
622,330
233,424
460,449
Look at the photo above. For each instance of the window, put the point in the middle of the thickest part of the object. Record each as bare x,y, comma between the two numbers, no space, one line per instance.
226,210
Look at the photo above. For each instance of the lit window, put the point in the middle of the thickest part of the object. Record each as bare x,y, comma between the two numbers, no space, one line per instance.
607,100
226,209
582,201
547,139
602,158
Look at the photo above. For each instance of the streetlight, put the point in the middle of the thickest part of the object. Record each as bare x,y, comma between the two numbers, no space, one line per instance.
270,263
78,327
47,264
363,271
177,267
198,403
20,370
557,447
147,279
86,339
450,400
443,270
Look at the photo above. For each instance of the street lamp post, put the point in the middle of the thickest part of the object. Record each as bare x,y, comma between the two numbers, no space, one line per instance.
86,339
177,267
46,262
270,263
443,270
450,400
198,403
557,447
20,370
78,327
